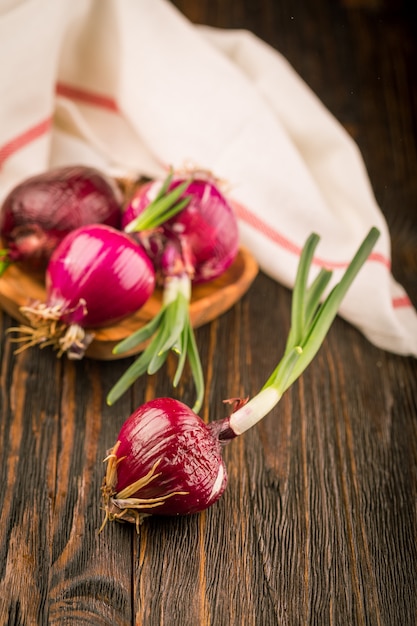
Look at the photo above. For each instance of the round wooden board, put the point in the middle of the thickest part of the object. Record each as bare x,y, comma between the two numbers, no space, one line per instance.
208,301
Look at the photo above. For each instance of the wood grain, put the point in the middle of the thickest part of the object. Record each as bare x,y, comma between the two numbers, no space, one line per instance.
318,525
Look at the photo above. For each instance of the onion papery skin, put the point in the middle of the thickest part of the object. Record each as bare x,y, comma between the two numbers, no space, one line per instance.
39,212
105,269
206,229
189,471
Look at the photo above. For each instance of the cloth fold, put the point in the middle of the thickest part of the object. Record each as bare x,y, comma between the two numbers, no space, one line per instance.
134,87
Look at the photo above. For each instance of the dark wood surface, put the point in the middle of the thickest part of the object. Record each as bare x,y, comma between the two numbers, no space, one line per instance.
318,523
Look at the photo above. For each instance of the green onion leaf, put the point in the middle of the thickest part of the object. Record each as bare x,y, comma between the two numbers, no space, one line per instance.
163,207
4,260
170,330
139,336
196,369
311,322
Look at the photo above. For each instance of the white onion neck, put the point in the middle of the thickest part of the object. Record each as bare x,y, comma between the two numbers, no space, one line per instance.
175,285
253,411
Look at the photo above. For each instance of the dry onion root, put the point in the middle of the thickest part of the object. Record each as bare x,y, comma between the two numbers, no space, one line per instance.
47,329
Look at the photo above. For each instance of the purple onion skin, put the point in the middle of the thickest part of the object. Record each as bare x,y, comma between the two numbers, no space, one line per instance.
39,212
205,230
190,474
102,268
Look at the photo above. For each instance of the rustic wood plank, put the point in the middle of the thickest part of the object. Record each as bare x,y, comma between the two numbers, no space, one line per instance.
29,435
87,583
51,551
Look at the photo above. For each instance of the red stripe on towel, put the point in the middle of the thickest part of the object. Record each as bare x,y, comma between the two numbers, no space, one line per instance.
268,231
87,97
401,302
21,140
257,224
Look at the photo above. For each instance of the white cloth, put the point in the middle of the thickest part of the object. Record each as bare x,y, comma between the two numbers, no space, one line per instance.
131,86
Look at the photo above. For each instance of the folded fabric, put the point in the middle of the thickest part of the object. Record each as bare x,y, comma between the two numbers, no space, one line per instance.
134,87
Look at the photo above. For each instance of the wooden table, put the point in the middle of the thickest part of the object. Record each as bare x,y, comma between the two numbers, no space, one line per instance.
318,523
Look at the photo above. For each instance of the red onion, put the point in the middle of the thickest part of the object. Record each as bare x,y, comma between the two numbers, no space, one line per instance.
38,213
192,484
190,232
205,231
167,461
96,276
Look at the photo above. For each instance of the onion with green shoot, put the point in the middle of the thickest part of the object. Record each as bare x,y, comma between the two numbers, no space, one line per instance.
189,230
167,461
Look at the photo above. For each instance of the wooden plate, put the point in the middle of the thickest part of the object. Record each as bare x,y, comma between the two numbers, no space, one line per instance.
208,301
